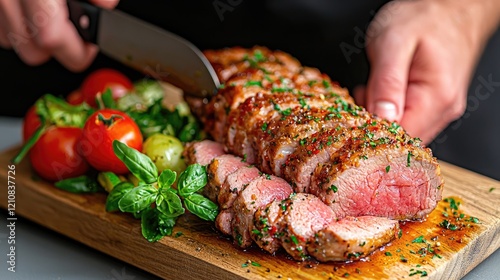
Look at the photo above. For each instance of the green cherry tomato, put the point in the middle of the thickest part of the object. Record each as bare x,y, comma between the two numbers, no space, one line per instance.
166,152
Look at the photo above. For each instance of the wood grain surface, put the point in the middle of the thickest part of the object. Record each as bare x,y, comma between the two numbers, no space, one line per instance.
197,251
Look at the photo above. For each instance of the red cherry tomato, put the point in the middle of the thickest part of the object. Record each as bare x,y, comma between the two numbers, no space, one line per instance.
31,123
100,130
102,79
56,154
75,97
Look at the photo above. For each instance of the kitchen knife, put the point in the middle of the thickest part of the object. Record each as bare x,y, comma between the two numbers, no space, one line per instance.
145,47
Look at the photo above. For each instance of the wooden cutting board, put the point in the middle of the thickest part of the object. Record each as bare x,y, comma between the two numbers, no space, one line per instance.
197,251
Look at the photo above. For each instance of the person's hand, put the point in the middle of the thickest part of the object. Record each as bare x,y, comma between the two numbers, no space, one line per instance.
40,29
422,54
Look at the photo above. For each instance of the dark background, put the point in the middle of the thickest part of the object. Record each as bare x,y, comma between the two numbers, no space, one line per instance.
312,31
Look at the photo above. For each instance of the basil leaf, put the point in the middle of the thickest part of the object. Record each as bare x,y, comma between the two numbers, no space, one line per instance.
116,194
149,225
192,180
169,203
167,178
138,199
138,163
201,207
166,224
82,184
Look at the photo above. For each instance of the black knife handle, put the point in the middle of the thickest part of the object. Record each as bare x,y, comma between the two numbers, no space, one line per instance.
85,17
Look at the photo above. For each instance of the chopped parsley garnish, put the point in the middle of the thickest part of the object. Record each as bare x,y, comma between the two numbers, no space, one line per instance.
334,188
394,128
253,83
473,220
387,168
294,240
287,112
408,159
256,264
419,239
447,225
302,102
264,127
422,273
453,204
388,254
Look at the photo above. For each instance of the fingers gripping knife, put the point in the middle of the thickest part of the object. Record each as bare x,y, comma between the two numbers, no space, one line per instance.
145,47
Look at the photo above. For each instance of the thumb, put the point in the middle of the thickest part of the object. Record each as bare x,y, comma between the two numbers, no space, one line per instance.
390,59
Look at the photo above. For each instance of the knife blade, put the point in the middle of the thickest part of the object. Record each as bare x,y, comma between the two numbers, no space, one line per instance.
146,48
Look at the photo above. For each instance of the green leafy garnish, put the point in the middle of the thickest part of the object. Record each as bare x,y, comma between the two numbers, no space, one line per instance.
154,200
138,163
82,184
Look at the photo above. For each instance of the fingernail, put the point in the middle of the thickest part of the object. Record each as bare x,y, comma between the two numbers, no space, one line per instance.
386,110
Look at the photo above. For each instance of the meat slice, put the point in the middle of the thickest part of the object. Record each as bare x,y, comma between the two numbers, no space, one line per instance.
389,178
234,183
260,192
224,220
253,116
228,62
218,170
352,238
286,134
267,224
321,148
304,215
202,152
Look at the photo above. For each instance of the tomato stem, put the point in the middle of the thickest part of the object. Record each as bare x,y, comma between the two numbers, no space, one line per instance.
110,121
29,144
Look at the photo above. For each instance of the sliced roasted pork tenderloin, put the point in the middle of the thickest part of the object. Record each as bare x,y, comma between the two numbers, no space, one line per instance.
202,152
286,134
304,215
253,117
228,62
321,147
217,171
304,226
223,221
389,178
234,183
352,238
259,192
266,227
